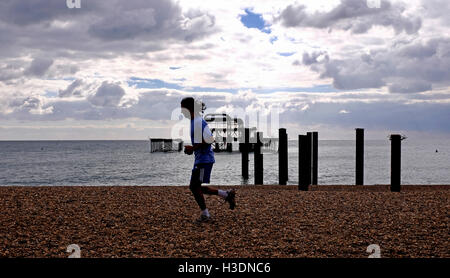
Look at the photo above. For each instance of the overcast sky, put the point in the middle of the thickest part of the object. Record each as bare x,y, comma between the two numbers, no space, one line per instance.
118,69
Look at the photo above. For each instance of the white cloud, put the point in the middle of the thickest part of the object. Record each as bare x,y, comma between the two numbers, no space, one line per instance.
353,15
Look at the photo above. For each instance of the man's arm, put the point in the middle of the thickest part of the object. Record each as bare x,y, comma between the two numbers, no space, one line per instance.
207,139
200,145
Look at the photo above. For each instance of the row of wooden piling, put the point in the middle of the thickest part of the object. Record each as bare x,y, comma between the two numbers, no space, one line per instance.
308,159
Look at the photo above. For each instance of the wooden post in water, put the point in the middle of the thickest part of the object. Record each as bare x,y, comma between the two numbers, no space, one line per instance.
302,164
282,156
229,147
359,169
315,157
259,168
244,150
309,145
396,140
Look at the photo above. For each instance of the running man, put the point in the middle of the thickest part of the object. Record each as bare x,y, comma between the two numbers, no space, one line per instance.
201,139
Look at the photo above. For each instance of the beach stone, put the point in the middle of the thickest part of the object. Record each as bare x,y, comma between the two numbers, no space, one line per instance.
269,221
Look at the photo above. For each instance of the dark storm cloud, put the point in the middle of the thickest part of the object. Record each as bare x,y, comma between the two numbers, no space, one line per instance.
39,66
98,29
74,89
25,13
26,103
27,107
353,15
410,86
151,20
108,94
309,59
10,71
404,68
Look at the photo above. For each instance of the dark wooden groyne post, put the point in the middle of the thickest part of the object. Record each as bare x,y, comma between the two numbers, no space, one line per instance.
309,145
282,156
258,159
396,140
359,169
229,147
245,147
315,157
302,163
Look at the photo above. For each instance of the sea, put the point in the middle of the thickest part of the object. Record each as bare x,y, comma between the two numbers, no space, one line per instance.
130,163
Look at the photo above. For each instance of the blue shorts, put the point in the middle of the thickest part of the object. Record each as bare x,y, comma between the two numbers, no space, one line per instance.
201,173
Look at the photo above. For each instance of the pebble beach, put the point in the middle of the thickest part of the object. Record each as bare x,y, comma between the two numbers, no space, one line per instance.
269,222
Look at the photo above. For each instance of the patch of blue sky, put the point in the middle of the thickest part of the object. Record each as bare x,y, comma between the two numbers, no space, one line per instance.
273,39
143,83
291,39
266,30
50,94
254,20
286,54
65,79
69,78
